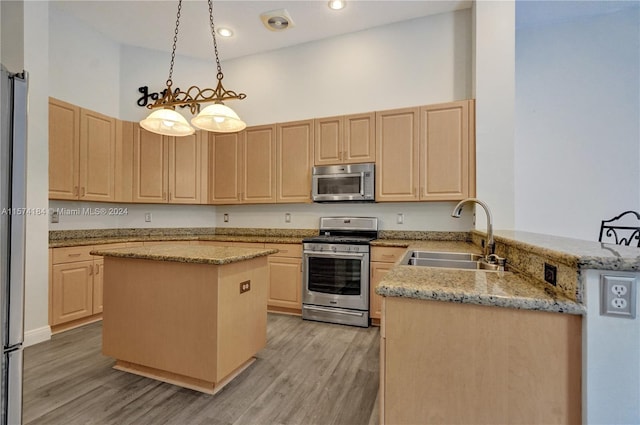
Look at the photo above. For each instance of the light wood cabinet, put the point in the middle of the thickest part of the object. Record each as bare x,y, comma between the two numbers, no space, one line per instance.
82,153
294,161
243,166
346,139
447,151
124,161
397,164
285,279
426,153
75,286
382,260
166,169
444,362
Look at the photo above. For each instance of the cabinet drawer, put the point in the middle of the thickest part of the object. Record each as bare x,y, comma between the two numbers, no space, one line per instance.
72,254
387,254
285,249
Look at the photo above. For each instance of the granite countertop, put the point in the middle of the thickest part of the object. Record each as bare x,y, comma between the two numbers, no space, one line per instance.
218,255
168,238
500,289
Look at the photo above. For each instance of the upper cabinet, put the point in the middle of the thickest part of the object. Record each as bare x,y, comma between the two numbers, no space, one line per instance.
345,139
166,169
82,152
294,161
426,153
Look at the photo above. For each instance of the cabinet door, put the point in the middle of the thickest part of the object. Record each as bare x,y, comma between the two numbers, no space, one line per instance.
97,156
378,270
285,283
124,161
294,161
259,165
149,167
64,148
444,151
328,141
359,143
184,169
225,162
72,291
98,279
397,147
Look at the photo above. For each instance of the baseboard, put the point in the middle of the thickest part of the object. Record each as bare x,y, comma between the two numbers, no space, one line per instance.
36,336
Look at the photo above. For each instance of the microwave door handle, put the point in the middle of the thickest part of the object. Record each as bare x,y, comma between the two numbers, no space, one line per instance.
361,183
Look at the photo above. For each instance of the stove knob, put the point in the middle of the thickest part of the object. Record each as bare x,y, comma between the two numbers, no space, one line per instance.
355,248
347,248
334,248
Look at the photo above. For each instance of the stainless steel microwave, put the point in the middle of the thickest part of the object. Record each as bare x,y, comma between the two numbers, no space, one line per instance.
336,183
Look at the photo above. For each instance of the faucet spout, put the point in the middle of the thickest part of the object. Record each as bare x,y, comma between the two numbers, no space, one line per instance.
489,247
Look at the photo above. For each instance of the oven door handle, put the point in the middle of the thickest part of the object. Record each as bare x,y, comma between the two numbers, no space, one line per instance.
362,184
334,254
333,311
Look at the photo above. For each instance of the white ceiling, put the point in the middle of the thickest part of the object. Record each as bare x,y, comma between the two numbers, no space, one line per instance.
151,23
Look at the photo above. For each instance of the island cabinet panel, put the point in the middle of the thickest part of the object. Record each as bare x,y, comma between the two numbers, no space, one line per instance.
193,325
294,161
447,169
397,164
285,279
259,165
82,153
461,363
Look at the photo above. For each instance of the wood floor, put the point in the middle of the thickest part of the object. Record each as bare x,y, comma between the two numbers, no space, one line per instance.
309,373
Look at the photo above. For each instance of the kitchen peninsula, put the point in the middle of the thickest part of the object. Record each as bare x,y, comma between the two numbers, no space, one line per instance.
189,315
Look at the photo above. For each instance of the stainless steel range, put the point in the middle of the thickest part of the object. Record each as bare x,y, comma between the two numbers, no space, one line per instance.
335,271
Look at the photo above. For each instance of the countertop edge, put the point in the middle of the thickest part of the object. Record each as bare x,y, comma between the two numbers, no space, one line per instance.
258,252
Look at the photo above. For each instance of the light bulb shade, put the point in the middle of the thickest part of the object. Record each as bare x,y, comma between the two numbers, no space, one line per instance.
167,122
218,118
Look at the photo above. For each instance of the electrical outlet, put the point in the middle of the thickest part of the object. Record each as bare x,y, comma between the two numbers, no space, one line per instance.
147,217
618,296
400,218
55,217
226,218
287,218
550,274
245,286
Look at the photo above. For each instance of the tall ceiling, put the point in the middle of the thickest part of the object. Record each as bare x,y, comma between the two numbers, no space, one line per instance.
150,23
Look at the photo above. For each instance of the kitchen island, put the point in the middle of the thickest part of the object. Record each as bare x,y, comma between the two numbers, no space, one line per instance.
193,316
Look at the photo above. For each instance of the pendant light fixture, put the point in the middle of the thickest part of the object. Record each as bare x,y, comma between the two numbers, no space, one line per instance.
216,117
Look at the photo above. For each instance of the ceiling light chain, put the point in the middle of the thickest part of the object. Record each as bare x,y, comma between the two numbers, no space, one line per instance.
217,117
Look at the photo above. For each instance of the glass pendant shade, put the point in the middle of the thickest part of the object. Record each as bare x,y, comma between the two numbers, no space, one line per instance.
167,122
218,118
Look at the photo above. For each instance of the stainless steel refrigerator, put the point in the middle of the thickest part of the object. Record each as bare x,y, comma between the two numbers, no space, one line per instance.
13,213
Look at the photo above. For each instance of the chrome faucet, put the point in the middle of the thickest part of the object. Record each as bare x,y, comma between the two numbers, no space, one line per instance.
490,246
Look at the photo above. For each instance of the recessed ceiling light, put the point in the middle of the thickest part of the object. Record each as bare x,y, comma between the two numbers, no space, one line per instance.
337,4
224,32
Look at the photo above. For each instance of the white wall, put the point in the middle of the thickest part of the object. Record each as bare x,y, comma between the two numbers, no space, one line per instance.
578,123
85,65
90,215
494,57
611,371
422,61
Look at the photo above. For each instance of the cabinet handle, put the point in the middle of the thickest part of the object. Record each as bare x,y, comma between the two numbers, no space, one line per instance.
97,269
164,196
82,192
170,196
91,270
415,192
388,255
75,190
73,255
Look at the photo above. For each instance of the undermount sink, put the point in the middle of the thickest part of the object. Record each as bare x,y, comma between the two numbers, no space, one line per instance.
452,260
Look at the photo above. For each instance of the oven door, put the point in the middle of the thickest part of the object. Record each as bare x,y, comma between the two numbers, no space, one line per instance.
336,279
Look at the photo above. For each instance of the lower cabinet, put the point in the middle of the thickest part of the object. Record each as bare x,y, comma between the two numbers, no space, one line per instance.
445,362
382,260
285,279
75,286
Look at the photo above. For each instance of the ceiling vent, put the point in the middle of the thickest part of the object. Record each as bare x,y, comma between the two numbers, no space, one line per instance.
277,20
